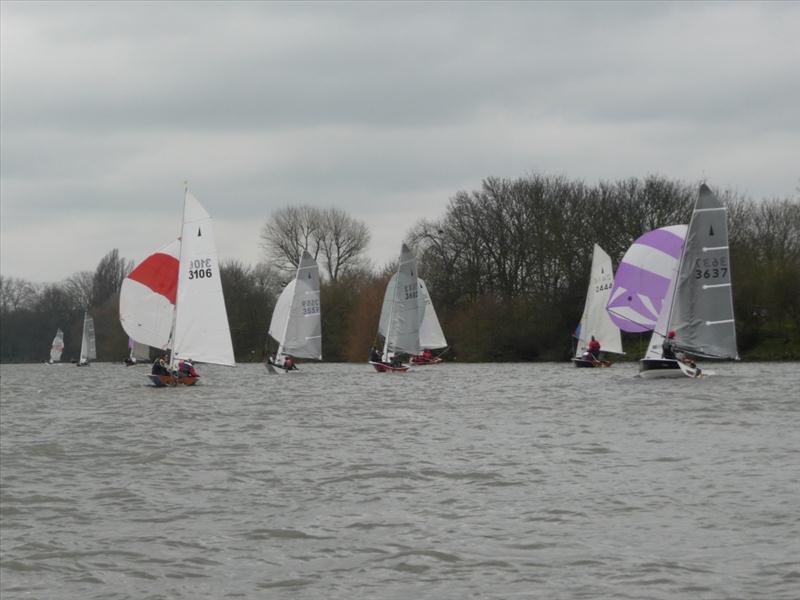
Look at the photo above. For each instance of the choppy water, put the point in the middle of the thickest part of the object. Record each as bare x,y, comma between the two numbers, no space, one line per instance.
457,481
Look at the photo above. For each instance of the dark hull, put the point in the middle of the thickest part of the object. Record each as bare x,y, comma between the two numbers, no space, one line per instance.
583,363
384,368
656,368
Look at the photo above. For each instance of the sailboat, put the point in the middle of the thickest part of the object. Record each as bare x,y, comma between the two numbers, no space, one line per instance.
136,353
296,320
56,348
698,316
399,323
173,300
431,336
596,322
88,348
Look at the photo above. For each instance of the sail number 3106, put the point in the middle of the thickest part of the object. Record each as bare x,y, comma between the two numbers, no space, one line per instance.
200,268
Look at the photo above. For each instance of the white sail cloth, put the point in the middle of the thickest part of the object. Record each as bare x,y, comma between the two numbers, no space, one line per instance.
147,297
88,347
595,320
400,319
431,336
57,347
201,323
296,320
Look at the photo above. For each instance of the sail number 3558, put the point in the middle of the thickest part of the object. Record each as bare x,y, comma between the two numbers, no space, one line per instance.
200,268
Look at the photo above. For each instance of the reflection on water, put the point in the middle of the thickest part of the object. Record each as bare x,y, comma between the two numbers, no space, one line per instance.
491,481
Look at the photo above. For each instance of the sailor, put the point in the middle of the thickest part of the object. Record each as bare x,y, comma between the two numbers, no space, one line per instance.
160,366
668,347
374,356
594,349
288,364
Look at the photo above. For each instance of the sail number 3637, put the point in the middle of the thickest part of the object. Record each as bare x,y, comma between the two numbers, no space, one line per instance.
200,268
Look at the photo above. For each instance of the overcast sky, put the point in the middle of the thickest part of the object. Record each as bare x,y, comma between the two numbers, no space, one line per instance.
384,110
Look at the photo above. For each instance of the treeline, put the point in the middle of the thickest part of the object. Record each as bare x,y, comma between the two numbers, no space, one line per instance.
506,266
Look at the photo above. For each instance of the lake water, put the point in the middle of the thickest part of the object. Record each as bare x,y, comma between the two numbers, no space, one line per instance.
455,481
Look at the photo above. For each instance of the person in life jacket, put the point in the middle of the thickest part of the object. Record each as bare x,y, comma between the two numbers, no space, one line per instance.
288,364
594,349
668,347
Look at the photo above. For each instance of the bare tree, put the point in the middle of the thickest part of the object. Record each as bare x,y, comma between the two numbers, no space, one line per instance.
108,277
342,242
16,294
79,286
289,231
331,233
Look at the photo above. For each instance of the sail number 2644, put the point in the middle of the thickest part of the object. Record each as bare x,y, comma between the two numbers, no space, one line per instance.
200,268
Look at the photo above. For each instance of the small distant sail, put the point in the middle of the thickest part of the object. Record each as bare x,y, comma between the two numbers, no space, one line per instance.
57,347
643,278
147,298
88,347
138,351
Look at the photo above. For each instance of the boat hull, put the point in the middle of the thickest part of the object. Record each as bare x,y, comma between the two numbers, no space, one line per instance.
170,381
661,368
583,363
384,368
421,361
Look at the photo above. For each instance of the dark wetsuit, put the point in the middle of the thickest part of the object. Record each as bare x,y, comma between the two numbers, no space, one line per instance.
668,349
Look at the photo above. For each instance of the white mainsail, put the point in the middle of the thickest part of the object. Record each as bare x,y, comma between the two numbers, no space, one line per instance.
296,320
431,336
147,297
596,320
400,312
201,331
88,348
57,347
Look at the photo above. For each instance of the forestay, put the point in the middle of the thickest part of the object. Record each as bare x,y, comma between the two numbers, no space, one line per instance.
643,277
201,323
595,320
296,320
702,312
400,313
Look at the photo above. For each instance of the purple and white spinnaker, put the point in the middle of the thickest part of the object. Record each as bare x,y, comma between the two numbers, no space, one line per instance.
643,278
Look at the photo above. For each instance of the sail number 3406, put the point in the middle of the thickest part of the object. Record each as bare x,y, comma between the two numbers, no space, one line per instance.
200,268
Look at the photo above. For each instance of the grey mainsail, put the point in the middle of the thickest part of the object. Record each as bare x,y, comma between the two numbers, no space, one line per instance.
702,310
400,314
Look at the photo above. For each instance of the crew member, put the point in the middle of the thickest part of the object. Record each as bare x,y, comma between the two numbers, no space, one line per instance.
594,349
